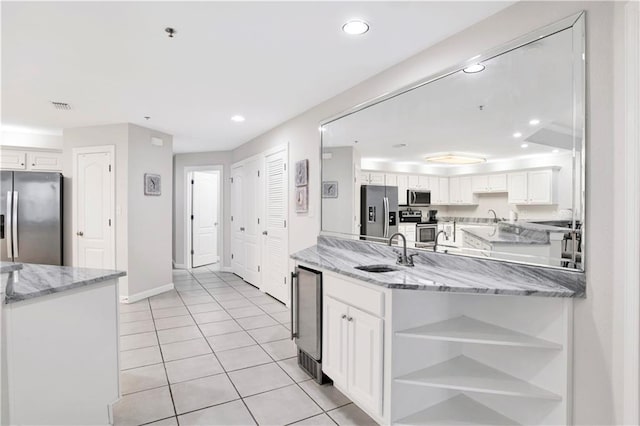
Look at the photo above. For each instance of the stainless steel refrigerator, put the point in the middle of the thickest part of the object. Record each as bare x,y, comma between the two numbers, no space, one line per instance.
378,210
31,217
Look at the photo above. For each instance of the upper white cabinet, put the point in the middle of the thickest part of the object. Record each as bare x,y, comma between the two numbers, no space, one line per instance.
460,191
390,179
532,187
403,185
376,178
43,161
439,190
489,183
414,182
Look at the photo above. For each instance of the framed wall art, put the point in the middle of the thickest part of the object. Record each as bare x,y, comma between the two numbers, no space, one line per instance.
330,189
152,184
302,172
302,199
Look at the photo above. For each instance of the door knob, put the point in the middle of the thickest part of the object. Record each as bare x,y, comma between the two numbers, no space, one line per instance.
242,229
79,233
344,316
265,233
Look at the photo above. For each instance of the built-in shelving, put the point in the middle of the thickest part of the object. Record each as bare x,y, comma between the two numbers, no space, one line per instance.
469,330
459,410
465,374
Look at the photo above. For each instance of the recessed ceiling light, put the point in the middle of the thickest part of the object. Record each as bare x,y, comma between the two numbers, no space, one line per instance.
455,159
472,69
555,151
237,118
534,122
517,135
355,27
524,145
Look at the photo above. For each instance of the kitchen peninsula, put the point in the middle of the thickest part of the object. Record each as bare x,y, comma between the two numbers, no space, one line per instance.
451,336
75,354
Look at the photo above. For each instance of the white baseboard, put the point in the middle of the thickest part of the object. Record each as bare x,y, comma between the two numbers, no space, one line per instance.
179,265
226,269
132,298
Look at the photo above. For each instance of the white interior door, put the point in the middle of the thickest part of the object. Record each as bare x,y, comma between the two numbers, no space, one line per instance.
94,236
204,218
252,202
275,234
237,221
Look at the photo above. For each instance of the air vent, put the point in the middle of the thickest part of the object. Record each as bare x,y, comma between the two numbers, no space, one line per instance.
62,106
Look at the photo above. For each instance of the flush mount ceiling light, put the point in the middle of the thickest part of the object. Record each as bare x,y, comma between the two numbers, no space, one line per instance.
472,69
517,135
555,151
534,122
237,118
355,27
455,159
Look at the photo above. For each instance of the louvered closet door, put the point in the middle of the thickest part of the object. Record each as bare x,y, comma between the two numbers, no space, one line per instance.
275,238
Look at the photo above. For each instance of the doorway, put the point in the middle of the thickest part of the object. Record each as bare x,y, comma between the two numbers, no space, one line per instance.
203,216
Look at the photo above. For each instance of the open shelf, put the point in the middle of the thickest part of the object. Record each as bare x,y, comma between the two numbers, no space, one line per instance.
469,330
459,410
465,374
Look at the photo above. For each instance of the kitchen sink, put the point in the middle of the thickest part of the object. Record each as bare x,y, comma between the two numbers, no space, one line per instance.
377,268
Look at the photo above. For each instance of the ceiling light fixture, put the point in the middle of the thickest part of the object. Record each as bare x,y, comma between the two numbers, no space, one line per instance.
355,27
455,159
555,151
237,118
524,145
472,69
517,135
534,122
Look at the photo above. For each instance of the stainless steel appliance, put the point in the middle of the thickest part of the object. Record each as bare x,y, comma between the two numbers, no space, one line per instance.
417,198
426,234
378,210
306,320
410,216
31,217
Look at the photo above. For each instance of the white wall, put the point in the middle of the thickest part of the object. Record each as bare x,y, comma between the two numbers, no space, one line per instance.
180,161
596,383
338,212
25,139
149,239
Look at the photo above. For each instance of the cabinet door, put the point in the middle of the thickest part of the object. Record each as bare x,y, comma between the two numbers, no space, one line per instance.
13,160
365,359
443,190
364,178
376,178
480,183
403,185
465,191
540,187
414,182
517,188
454,190
424,183
390,180
44,161
497,183
334,340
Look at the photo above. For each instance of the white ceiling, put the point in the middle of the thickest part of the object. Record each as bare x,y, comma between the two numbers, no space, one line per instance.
474,114
268,61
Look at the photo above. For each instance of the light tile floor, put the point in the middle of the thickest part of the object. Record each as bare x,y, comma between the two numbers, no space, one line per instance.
216,351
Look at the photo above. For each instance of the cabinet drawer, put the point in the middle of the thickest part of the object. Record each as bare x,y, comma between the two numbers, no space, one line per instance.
355,295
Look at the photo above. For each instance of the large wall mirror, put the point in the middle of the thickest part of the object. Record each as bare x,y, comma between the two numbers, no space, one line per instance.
486,158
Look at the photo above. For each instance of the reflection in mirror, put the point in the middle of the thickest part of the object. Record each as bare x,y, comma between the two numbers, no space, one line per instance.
491,154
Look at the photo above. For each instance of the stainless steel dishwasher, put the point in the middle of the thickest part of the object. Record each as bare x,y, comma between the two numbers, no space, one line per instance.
306,320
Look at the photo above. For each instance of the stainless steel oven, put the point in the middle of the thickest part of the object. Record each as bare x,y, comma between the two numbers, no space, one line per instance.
426,234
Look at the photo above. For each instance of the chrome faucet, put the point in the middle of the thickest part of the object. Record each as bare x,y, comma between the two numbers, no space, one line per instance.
435,245
495,216
403,259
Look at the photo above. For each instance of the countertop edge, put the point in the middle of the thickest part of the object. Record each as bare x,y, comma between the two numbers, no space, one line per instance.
7,267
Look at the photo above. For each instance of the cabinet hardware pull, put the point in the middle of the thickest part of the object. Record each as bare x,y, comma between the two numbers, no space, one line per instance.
344,316
350,319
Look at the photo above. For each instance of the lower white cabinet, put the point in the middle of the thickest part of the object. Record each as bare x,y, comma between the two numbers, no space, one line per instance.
352,352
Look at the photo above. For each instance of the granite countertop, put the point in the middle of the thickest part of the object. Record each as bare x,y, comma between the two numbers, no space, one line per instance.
6,267
39,280
534,226
493,234
441,272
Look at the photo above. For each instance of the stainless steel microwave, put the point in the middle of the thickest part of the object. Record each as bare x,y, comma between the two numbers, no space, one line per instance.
416,198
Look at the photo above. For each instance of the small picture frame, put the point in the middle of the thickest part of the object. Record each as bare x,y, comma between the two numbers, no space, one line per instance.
330,189
302,172
152,184
302,199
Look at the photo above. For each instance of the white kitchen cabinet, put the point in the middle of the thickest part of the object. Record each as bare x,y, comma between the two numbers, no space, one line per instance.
489,183
460,191
424,182
13,160
335,343
376,178
390,179
532,187
403,185
44,161
364,357
409,232
439,190
364,178
414,182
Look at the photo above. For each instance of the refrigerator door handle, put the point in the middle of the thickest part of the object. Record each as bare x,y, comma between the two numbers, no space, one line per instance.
14,225
386,217
9,226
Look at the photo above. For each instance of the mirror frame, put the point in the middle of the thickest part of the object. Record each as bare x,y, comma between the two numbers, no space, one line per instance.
575,22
